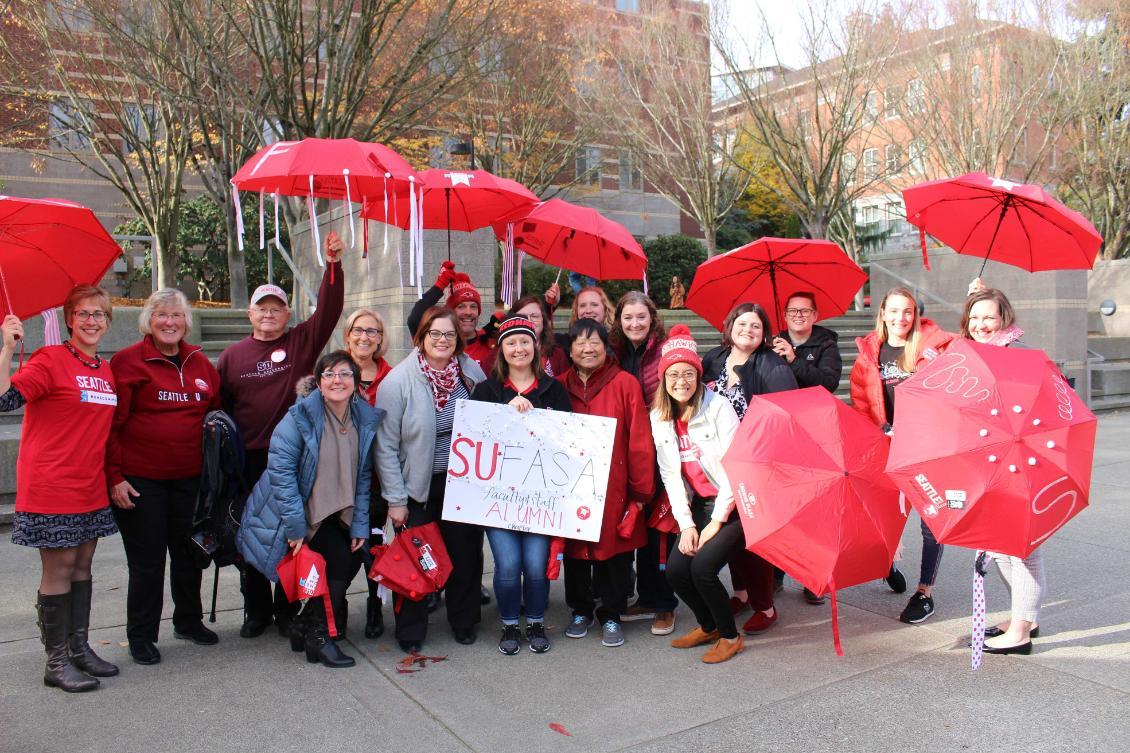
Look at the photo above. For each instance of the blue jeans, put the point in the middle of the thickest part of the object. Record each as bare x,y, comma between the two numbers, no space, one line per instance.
516,555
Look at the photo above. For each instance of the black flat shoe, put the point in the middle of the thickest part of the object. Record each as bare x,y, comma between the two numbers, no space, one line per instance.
198,634
1023,649
410,647
144,652
465,636
253,627
994,631
374,618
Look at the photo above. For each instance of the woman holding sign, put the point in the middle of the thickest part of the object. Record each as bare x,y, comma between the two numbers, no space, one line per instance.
693,428
62,507
413,445
598,387
520,559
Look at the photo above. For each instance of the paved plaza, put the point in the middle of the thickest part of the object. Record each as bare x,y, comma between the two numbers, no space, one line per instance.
897,688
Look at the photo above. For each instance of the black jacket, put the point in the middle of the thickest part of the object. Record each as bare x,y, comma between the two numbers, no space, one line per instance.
818,362
764,372
549,394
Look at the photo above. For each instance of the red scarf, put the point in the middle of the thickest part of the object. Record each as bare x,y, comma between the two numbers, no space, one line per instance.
442,380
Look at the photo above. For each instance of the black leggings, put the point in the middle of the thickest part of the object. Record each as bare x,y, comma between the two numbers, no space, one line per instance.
332,541
695,578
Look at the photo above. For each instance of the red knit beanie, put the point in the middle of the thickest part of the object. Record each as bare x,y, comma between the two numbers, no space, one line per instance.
462,291
680,347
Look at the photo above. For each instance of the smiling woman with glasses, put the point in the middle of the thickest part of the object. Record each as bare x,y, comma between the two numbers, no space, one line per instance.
813,352
316,493
419,396
62,508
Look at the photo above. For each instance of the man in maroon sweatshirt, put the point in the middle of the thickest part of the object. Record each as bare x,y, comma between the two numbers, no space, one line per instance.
257,379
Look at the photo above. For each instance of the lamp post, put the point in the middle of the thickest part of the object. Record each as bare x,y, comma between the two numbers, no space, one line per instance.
463,148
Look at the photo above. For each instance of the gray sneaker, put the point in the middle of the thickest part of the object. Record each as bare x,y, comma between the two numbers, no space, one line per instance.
612,634
579,627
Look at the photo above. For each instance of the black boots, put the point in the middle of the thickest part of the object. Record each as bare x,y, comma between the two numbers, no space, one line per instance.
374,618
321,648
54,628
82,656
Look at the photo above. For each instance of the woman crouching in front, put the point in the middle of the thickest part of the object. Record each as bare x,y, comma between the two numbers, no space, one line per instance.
693,428
316,492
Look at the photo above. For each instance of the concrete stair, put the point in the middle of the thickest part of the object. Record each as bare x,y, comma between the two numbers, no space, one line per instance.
1110,378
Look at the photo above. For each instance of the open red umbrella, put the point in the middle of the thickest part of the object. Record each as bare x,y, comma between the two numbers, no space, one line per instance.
807,475
47,246
768,271
577,238
992,447
1015,223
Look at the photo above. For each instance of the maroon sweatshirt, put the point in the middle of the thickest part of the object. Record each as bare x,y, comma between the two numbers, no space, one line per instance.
156,432
257,377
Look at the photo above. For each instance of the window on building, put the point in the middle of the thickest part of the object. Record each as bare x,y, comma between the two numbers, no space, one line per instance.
1020,153
628,6
588,166
142,122
869,214
871,105
915,96
975,80
272,131
847,168
630,177
870,164
892,157
896,217
70,14
916,157
892,97
65,126
977,149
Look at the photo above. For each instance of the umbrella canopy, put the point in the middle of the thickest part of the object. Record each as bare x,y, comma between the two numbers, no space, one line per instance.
455,200
324,169
575,238
47,246
807,474
1014,223
768,271
993,447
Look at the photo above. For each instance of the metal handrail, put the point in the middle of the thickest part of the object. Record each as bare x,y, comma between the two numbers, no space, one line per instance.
919,293
311,297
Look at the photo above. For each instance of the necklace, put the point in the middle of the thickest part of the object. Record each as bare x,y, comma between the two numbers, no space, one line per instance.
343,423
88,364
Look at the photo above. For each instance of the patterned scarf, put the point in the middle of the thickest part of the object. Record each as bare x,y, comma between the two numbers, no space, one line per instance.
443,381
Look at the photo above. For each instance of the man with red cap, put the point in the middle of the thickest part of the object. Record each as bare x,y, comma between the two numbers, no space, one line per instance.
465,301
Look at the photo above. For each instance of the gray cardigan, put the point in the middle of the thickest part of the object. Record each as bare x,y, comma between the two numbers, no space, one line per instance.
406,437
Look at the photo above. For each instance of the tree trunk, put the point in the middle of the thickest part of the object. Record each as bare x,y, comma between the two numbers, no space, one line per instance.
166,259
237,269
710,237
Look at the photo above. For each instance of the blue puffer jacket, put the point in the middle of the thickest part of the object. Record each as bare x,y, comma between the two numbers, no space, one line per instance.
276,509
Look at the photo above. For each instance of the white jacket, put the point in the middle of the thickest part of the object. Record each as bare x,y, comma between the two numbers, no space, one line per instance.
712,429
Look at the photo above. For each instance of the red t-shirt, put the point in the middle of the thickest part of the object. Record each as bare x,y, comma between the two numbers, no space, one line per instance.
62,463
689,453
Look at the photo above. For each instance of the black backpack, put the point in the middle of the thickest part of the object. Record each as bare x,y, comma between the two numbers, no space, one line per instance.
223,493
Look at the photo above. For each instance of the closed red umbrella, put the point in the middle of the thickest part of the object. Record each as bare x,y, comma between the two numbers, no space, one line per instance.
807,475
1014,223
769,270
992,447
47,246
302,575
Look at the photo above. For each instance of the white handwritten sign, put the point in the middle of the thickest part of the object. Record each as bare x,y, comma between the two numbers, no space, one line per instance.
538,472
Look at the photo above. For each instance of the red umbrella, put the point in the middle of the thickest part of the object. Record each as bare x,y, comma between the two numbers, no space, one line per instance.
575,238
303,576
807,474
993,447
771,269
1015,223
47,246
415,564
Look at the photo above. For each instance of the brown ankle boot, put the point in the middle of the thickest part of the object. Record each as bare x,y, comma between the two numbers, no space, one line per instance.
723,650
696,637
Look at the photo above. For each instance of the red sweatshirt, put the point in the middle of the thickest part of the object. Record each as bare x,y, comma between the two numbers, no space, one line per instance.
161,408
257,377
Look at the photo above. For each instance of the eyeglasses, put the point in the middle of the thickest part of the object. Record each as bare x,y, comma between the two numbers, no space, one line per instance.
369,332
98,316
800,312
166,317
345,376
685,376
436,335
269,311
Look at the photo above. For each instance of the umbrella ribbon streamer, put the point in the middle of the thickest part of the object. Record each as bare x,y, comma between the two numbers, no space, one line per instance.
349,209
925,255
836,621
238,216
262,228
51,335
978,642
